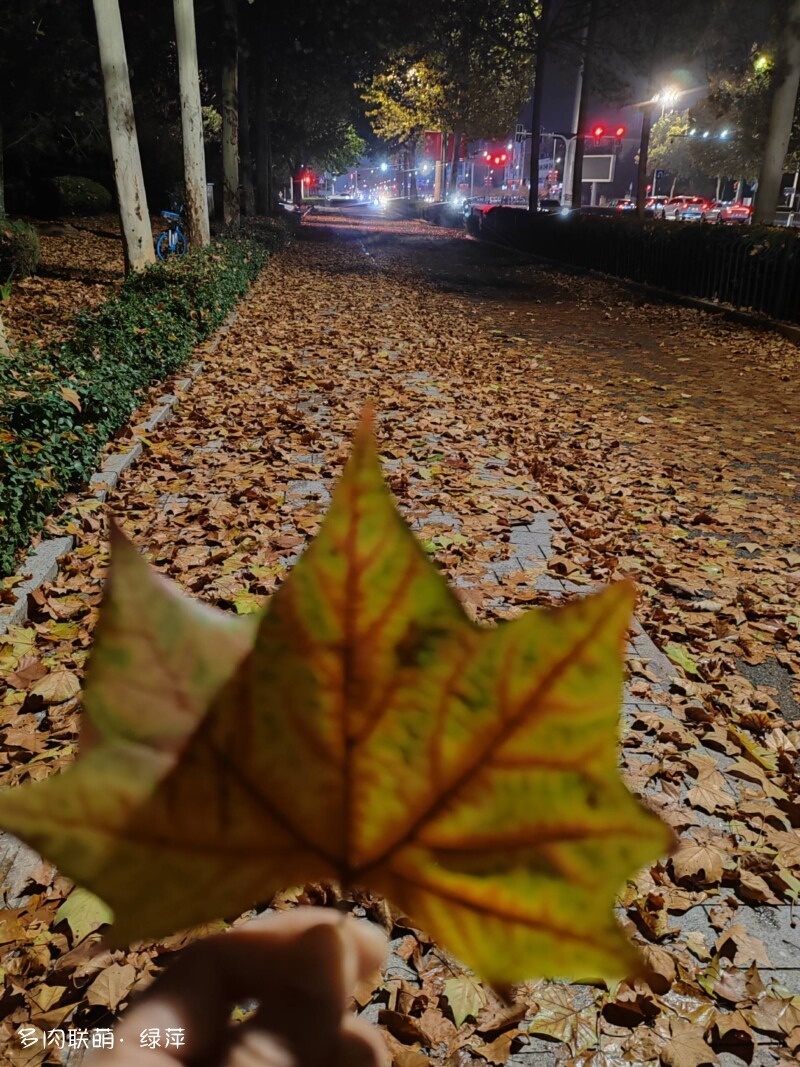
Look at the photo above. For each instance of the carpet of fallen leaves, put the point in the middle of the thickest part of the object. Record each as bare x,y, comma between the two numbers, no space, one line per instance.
667,441
81,266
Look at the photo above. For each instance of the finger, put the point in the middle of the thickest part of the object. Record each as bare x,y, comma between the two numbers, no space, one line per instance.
308,1006
257,1049
251,962
359,1045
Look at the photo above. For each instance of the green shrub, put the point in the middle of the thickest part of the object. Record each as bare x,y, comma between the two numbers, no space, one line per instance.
20,252
80,196
148,330
271,231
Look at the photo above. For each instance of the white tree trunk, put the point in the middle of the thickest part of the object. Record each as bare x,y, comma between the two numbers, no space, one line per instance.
4,349
230,114
137,233
784,101
194,157
2,175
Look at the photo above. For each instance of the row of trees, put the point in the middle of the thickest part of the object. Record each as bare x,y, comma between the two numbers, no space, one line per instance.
472,77
276,88
724,135
258,91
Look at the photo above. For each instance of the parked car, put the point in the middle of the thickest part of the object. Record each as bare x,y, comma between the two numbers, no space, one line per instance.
655,203
699,210
470,202
550,206
732,212
676,206
626,204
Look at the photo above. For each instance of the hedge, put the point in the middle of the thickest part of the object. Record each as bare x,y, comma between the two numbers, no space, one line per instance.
20,251
753,267
75,195
58,408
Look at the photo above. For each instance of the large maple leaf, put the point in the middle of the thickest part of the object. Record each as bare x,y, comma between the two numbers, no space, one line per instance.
365,730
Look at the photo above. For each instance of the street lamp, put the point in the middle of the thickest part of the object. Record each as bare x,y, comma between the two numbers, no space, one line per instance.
667,98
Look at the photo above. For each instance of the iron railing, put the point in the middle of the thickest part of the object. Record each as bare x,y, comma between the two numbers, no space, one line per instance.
754,268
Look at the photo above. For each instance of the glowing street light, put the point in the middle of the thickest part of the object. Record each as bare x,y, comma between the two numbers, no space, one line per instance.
667,98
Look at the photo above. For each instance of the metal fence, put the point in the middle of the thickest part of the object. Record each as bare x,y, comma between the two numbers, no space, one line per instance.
757,269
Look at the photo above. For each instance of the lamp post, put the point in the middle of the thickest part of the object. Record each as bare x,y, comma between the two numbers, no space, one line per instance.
667,98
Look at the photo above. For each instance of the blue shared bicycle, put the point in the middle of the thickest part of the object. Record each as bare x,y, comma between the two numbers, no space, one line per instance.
172,242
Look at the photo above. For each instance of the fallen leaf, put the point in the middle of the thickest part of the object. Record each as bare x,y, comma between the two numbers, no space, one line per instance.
112,986
56,687
403,1027
465,996
557,1016
686,1046
702,863
84,913
71,396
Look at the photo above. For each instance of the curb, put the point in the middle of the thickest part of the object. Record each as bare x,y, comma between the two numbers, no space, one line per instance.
41,563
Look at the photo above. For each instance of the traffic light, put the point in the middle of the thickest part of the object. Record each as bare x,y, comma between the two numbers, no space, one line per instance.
619,133
597,133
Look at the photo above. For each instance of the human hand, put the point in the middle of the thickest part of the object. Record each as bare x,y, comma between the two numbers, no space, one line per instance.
301,966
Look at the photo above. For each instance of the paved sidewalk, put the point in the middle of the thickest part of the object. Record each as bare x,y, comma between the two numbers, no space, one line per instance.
226,496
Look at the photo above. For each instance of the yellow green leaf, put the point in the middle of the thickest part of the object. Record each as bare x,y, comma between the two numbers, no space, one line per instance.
679,655
84,913
465,996
366,731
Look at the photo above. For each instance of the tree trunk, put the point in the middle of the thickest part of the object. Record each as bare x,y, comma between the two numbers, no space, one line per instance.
194,156
261,117
270,181
579,148
454,161
440,170
538,93
740,190
230,114
784,102
137,233
4,349
412,169
2,176
672,187
644,148
248,189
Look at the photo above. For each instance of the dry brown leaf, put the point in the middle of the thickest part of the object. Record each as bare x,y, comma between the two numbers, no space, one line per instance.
112,986
686,1046
57,687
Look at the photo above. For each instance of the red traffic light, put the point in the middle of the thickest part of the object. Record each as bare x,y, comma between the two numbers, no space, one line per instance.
619,133
598,131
